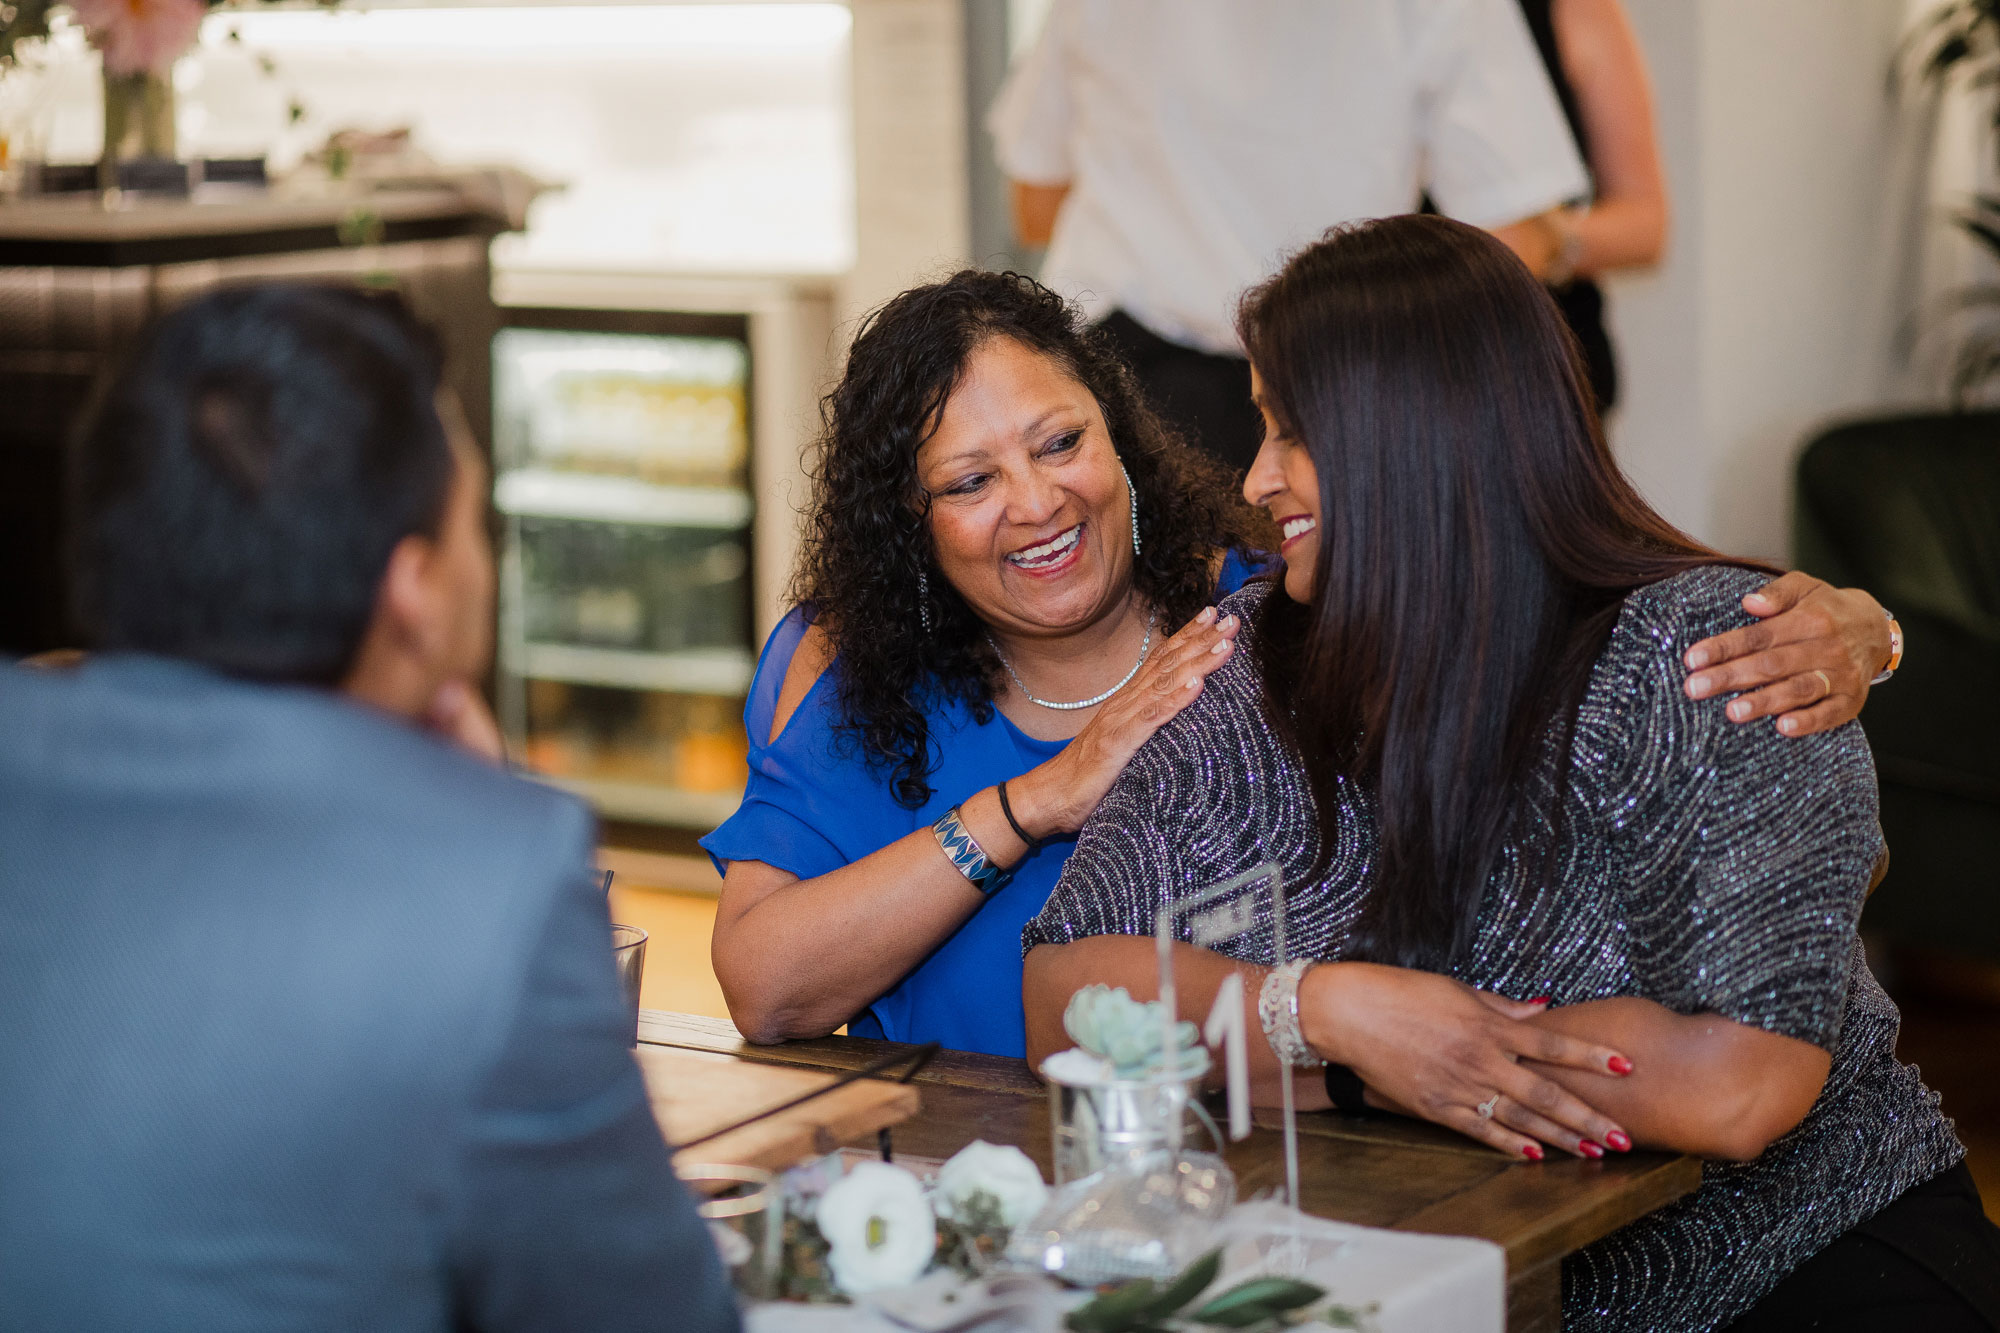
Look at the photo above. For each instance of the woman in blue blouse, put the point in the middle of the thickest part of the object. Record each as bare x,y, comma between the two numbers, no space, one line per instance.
1003,544
1007,586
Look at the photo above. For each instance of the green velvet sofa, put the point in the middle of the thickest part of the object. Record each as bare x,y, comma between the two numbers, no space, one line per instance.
1909,508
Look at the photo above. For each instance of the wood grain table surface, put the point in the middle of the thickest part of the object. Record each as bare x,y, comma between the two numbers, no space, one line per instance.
1382,1172
695,1093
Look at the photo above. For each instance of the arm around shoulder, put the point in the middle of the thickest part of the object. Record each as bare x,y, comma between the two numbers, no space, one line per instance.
1742,860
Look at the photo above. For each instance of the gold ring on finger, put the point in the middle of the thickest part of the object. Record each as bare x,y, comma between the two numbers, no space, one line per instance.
1487,1107
1826,681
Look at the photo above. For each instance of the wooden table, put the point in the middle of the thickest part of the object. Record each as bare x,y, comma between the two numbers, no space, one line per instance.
1382,1173
696,1093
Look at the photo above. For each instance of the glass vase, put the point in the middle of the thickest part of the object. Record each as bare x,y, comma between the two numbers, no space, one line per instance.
138,121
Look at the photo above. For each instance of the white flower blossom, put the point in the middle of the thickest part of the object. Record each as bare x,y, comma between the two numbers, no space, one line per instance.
879,1228
1005,1174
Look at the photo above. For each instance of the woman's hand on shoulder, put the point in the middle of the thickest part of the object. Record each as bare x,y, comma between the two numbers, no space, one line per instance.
1432,1047
1807,661
1057,796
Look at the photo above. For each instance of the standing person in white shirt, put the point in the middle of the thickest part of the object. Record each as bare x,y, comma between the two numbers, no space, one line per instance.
1170,153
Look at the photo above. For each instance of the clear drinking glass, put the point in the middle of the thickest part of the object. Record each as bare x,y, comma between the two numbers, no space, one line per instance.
628,947
745,1212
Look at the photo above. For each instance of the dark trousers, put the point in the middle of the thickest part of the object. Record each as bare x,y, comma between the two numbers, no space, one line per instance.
1203,396
1930,1261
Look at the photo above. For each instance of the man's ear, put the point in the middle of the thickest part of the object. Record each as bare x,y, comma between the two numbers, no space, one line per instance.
406,601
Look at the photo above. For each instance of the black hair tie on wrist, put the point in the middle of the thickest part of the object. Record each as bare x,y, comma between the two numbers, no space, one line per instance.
1034,844
1346,1089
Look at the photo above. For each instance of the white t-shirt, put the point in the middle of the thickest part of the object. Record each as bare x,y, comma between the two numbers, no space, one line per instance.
1204,140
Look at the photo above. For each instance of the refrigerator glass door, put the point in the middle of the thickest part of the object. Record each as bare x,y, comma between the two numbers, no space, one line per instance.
625,615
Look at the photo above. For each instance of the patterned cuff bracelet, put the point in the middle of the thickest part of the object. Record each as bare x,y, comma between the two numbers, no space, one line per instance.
970,858
1278,1011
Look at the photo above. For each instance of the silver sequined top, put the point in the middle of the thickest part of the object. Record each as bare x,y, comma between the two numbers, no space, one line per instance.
1712,867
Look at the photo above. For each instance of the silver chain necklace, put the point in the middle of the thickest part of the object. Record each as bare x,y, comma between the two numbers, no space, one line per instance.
1145,649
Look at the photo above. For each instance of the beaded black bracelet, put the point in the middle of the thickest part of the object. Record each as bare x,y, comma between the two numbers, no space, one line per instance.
1034,844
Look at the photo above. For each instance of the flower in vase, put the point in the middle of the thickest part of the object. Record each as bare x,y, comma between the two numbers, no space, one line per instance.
140,36
1006,1175
879,1228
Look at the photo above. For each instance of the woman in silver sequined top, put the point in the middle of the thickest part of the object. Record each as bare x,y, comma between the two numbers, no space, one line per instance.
1540,894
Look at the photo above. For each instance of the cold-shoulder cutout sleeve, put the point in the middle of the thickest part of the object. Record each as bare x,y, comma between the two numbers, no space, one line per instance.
1750,852
791,794
811,655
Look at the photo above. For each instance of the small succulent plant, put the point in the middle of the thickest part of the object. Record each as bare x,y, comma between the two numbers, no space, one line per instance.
1109,1023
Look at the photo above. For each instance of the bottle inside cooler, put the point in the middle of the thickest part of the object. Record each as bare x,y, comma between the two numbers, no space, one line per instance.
645,587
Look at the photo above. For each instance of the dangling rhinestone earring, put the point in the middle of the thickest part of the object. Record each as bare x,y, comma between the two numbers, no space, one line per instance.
1134,494
924,599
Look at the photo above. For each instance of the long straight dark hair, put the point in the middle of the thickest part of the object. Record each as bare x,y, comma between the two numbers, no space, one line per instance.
1476,541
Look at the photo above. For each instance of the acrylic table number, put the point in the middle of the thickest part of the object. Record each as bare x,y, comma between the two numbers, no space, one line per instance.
1245,908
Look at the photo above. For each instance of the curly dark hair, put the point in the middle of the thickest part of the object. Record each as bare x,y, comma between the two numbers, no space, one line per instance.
866,537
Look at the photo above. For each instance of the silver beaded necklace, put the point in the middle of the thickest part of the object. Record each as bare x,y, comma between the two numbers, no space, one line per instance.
1145,649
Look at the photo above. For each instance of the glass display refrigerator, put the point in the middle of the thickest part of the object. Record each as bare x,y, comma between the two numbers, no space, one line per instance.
623,484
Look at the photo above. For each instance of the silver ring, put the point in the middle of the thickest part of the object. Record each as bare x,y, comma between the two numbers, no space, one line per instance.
1486,1107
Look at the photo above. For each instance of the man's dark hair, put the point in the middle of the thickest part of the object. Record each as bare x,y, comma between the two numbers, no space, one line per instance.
241,483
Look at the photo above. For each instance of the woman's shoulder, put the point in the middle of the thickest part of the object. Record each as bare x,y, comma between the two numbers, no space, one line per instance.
1691,605
797,655
1246,599
1642,663
1231,702
811,658
1637,705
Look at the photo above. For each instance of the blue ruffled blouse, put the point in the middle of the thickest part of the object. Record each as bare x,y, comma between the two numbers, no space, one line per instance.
814,803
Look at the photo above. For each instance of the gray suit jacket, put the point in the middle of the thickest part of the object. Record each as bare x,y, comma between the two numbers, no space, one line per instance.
308,1021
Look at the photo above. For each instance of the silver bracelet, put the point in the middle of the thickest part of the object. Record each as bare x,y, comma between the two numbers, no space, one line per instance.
1278,1011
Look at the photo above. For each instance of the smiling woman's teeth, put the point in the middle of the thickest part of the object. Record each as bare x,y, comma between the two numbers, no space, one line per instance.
1050,551
1298,527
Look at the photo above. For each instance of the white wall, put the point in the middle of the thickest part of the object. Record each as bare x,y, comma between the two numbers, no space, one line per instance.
1776,310
912,207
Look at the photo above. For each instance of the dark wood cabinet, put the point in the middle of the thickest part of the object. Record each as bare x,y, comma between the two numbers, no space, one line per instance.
78,281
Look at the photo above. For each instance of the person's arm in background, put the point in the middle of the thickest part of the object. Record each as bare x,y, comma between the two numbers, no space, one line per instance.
566,1212
1497,152
1625,224
1030,121
1536,241
1035,208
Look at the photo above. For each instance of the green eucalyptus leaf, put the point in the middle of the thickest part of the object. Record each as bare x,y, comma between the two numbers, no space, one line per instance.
1186,1287
1116,1311
1255,1301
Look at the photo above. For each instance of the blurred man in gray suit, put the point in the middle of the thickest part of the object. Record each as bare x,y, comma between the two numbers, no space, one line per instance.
307,1013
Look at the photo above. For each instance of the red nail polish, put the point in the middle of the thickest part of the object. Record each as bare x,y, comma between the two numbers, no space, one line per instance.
1590,1150
1620,1140
1539,999
1619,1064
1533,1152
